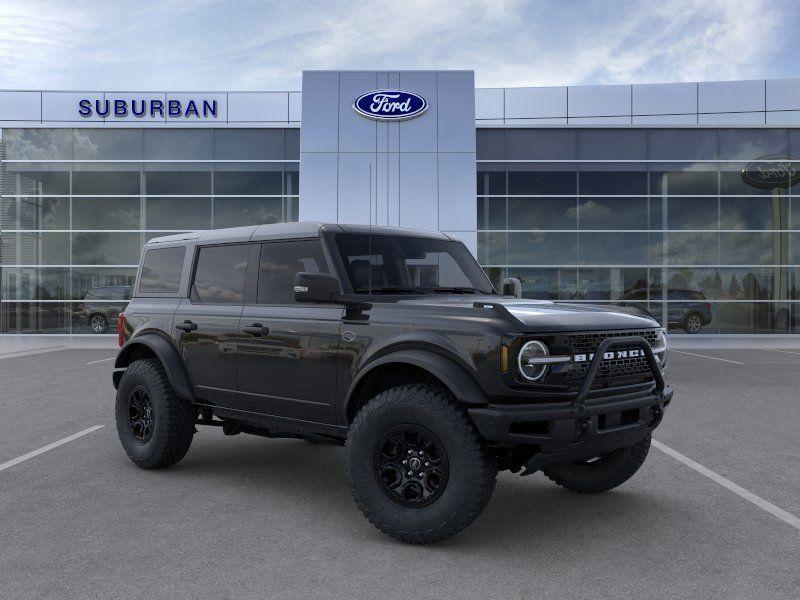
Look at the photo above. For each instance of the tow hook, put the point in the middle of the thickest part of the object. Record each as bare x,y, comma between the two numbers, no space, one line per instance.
656,413
581,427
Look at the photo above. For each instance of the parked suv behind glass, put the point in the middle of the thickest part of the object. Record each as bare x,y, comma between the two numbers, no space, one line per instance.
101,307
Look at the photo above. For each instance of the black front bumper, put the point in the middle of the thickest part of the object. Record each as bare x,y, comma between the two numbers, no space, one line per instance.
568,431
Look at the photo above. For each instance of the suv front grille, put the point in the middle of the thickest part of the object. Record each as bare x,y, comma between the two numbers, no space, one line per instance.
613,372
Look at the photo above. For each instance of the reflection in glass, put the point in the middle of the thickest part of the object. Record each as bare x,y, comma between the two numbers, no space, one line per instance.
178,213
235,212
47,248
106,213
243,183
85,279
613,248
37,213
546,284
177,183
752,248
35,284
545,248
521,181
692,248
612,213
112,183
542,213
102,248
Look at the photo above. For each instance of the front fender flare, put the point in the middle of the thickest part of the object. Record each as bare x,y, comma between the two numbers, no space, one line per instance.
460,383
166,353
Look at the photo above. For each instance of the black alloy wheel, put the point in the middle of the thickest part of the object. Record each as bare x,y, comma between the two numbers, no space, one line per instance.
140,414
411,465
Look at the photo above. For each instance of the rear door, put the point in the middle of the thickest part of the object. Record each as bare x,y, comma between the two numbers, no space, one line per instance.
207,322
287,350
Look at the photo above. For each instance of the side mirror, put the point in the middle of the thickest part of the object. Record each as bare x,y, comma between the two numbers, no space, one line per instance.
316,287
512,287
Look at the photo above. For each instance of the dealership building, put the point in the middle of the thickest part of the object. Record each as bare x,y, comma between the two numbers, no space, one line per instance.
676,197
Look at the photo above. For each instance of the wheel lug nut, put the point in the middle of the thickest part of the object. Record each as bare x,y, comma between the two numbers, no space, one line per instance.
405,461
410,473
427,464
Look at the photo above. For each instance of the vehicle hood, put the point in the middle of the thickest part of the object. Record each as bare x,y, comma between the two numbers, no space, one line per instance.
546,316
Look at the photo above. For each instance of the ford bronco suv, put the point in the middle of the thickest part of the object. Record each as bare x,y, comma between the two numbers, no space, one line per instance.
395,344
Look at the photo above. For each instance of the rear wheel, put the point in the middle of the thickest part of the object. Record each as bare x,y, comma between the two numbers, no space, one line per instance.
600,473
98,323
154,425
415,465
693,323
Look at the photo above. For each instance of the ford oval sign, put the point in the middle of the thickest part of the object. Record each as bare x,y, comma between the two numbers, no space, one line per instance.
390,105
771,172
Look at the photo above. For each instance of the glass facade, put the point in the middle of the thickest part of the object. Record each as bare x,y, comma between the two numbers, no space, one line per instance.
77,205
660,218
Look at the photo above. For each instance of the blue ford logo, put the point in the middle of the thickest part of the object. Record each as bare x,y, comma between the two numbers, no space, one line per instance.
390,105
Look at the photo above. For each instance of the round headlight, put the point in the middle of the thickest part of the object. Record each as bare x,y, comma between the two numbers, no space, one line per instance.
529,367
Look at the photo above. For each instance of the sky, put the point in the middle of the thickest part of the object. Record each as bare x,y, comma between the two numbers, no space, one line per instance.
207,45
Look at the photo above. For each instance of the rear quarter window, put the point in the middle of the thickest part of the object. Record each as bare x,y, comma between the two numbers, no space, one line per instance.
161,270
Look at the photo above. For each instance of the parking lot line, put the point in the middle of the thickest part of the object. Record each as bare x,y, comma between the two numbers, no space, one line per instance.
20,353
43,449
783,351
766,505
736,362
94,362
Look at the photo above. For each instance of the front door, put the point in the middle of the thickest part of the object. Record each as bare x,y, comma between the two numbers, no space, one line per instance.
287,351
207,323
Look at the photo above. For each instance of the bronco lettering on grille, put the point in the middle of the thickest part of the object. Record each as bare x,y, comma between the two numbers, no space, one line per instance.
579,358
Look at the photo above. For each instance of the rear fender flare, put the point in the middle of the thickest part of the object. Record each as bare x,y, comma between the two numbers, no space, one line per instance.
168,355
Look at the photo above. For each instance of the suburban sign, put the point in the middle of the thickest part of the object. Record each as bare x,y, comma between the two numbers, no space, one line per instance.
148,107
770,172
390,105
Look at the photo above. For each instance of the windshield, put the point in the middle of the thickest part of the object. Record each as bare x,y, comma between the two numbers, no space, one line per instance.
391,264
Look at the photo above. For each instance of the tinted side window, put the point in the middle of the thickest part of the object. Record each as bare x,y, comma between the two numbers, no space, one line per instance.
280,262
161,270
220,274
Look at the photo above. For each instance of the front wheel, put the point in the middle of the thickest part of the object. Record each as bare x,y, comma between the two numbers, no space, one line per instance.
416,466
600,473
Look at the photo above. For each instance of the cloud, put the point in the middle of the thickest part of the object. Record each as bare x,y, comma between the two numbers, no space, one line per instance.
212,44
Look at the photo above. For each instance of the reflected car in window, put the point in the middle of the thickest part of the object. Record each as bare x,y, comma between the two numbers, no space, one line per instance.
686,309
101,307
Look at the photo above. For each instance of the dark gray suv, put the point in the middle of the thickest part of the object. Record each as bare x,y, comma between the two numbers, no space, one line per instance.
395,344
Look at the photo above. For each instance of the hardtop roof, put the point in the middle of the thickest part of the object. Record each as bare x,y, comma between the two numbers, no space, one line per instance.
303,229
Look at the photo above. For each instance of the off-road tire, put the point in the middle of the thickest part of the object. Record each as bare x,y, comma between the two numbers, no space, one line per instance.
173,418
472,470
607,472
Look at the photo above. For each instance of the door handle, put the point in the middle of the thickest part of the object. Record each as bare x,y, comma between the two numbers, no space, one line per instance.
187,325
256,329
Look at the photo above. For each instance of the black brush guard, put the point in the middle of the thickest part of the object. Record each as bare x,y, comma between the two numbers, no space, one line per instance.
579,430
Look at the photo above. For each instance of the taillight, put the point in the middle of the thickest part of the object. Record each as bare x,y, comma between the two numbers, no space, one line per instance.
121,333
708,306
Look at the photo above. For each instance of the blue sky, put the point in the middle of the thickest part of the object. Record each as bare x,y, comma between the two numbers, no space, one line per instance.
249,45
